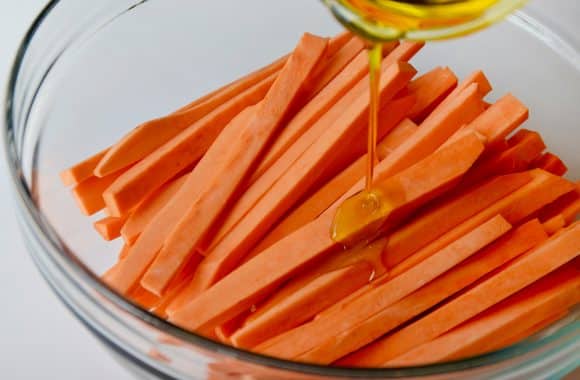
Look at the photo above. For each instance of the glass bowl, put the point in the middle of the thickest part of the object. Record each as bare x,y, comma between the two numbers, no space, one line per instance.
88,72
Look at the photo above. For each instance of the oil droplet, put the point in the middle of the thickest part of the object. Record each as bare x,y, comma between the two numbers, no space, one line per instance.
360,217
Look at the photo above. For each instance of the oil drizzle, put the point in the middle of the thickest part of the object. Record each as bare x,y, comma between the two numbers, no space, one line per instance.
375,58
359,215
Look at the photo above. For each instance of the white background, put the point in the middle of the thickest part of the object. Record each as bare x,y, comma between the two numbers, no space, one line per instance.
39,338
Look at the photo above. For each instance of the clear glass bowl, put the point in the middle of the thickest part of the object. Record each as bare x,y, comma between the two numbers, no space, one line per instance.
88,72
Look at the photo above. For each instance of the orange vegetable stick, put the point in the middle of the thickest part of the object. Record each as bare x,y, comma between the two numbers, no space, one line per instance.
316,108
175,287
525,147
294,344
124,251
374,222
302,305
151,135
253,280
227,329
324,197
525,270
497,121
143,298
556,291
430,89
148,209
516,207
89,193
156,304
203,212
336,63
316,117
501,118
483,85
448,213
485,261
294,182
554,224
477,77
175,155
81,171
434,131
510,338
369,254
110,227
568,205
551,163
143,251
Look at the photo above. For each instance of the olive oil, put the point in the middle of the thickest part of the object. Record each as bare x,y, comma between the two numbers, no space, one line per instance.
380,21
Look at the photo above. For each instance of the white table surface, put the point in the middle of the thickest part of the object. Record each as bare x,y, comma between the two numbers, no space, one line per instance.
39,338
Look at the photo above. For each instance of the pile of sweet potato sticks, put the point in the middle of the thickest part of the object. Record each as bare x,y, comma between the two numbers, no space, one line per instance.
225,208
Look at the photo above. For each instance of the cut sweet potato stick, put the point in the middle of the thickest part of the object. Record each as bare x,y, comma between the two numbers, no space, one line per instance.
225,331
568,205
556,291
148,209
370,224
153,302
525,270
254,280
430,89
447,214
81,171
497,121
124,251
334,45
512,338
478,78
295,181
143,298
177,284
487,260
110,227
433,132
269,115
304,348
89,193
529,146
143,251
550,163
336,63
554,224
501,118
302,305
313,111
151,135
369,254
175,155
334,189
309,118
519,205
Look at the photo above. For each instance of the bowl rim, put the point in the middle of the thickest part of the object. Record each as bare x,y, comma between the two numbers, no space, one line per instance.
43,231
